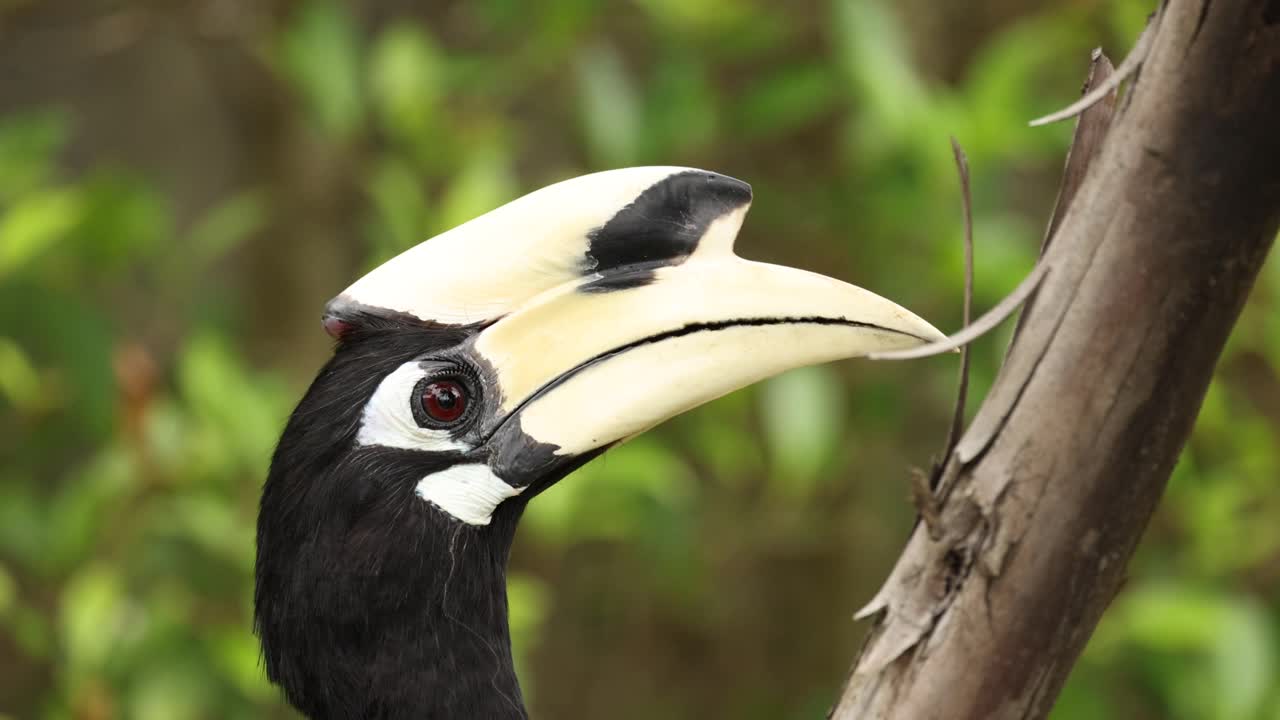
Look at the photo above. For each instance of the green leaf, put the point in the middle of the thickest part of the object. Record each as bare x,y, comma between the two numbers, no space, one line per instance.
34,223
81,508
1081,698
19,381
24,531
125,219
1017,76
725,445
1127,18
1244,660
241,413
787,99
29,143
697,15
484,184
1214,649
528,599
803,412
640,484
319,54
608,107
680,113
92,616
406,80
170,689
209,523
1171,618
238,657
31,631
8,593
400,208
225,226
874,57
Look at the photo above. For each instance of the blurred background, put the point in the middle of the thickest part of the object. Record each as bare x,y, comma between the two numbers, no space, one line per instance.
184,184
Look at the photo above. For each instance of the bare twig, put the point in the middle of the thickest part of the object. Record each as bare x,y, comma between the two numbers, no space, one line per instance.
980,327
1131,63
966,197
1091,130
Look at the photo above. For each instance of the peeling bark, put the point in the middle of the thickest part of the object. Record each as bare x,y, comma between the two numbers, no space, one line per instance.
1169,206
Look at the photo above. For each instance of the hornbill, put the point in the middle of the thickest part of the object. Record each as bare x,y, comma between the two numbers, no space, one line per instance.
475,370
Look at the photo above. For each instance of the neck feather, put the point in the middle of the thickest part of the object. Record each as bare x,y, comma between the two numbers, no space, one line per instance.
422,633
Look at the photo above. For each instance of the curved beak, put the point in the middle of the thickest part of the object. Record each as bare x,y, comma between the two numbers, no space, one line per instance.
584,366
605,304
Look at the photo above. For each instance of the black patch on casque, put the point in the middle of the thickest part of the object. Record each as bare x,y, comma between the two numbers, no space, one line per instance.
662,226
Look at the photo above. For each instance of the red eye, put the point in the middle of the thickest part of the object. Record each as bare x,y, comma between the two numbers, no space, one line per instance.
444,401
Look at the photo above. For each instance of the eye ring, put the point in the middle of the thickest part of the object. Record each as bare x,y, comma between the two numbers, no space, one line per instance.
441,401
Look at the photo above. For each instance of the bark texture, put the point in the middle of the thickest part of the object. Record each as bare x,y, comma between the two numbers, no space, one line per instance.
1048,491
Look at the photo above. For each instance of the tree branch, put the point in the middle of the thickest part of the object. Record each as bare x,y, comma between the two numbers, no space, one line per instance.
1050,488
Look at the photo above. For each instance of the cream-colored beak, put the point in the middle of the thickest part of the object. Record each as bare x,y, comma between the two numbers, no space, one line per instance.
598,307
582,370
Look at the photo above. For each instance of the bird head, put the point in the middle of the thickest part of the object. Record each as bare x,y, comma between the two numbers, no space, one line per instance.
479,368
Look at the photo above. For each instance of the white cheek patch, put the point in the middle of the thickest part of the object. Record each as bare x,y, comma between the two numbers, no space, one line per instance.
469,493
388,421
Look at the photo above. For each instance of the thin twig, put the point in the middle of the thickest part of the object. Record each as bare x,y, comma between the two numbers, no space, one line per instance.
1131,63
1086,143
962,394
1091,130
980,327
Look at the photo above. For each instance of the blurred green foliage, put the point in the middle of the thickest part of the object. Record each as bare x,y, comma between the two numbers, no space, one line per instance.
153,338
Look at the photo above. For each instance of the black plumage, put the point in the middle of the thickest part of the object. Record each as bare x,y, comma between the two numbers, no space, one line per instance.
369,602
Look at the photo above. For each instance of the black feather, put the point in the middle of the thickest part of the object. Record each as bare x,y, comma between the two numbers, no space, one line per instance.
369,602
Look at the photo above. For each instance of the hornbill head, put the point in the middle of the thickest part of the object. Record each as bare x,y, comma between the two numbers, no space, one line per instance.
473,372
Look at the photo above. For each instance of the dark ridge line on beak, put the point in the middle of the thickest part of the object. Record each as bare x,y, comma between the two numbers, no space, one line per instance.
689,329
345,318
613,282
